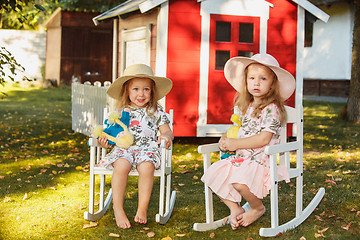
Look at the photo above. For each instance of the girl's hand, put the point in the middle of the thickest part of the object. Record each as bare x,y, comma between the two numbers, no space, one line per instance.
228,144
167,134
104,142
167,139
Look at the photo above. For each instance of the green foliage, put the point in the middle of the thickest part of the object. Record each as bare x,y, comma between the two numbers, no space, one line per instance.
24,14
44,178
8,62
29,14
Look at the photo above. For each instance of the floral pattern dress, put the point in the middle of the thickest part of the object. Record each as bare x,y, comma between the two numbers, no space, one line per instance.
248,166
144,128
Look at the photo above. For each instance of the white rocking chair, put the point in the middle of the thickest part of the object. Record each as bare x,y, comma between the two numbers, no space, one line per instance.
166,198
281,152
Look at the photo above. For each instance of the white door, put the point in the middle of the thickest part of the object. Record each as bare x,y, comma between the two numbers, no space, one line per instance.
135,46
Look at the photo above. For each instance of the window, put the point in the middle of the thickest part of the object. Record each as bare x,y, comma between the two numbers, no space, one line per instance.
223,31
221,58
309,29
246,32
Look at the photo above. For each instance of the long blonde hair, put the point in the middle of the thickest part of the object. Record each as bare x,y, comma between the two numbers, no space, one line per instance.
243,98
124,99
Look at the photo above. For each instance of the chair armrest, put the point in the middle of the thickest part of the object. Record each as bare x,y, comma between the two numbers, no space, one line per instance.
208,148
163,143
93,142
279,148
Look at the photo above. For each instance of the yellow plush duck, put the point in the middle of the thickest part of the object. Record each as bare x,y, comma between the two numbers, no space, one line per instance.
232,132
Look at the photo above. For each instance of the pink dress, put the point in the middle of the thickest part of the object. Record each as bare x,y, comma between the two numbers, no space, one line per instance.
247,166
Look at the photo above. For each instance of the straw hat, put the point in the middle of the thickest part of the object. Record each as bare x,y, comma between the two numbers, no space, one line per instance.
234,72
163,85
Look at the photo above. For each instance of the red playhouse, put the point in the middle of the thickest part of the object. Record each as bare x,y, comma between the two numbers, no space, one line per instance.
189,42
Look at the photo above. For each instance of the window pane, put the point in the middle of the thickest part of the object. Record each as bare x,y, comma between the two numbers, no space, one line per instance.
223,31
246,32
245,54
221,58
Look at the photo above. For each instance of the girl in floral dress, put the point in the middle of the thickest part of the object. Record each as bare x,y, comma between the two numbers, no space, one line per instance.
262,87
138,90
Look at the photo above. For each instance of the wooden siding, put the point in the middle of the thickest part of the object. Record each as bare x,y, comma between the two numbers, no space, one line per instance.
75,46
327,87
183,64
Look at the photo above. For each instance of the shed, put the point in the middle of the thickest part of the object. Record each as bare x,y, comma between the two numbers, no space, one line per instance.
75,47
189,41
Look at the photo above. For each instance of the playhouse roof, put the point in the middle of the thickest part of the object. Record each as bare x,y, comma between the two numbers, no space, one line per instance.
146,5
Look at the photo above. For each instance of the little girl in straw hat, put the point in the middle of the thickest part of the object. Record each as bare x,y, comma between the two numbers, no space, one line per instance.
139,90
262,87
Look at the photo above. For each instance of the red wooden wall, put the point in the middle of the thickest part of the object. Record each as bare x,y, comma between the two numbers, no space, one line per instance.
183,60
282,34
183,64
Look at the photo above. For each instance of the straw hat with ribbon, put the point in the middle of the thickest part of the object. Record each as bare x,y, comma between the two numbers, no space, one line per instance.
163,85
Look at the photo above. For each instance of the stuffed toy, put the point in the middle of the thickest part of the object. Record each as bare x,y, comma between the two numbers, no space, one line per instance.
116,129
232,132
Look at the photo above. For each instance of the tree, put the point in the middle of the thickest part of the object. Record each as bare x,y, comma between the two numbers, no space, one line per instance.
353,103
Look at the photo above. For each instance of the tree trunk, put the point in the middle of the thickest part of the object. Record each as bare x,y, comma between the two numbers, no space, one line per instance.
353,103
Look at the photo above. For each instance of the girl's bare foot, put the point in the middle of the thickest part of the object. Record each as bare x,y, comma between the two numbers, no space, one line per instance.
121,219
250,216
141,216
234,216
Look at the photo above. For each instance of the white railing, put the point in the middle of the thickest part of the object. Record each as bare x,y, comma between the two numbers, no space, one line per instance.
88,103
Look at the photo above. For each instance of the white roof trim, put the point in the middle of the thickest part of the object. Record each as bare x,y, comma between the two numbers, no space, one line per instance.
311,8
146,5
126,7
150,4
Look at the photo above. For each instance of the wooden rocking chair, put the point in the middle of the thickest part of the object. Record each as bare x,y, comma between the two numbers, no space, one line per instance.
166,198
279,152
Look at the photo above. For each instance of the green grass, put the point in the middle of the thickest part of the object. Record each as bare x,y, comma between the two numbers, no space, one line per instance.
44,177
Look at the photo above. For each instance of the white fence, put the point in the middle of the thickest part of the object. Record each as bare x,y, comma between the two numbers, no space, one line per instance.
88,103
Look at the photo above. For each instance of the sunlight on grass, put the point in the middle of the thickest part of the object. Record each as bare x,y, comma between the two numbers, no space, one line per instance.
44,178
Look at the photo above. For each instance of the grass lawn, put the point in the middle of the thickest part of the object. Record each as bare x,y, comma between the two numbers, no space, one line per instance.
44,178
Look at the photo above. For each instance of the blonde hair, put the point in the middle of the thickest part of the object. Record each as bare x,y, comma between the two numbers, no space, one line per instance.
243,98
124,100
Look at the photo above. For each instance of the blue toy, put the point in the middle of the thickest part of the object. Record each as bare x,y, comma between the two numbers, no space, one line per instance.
116,131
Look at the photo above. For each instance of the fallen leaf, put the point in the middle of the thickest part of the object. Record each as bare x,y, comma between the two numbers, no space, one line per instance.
90,225
185,171
150,234
322,231
331,215
146,228
25,196
353,210
212,235
2,177
63,236
180,234
302,238
347,227
166,238
114,235
317,235
318,218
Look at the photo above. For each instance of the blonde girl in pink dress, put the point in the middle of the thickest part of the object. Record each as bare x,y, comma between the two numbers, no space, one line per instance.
139,91
262,87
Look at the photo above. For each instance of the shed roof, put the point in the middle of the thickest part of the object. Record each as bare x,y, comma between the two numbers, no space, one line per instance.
145,5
